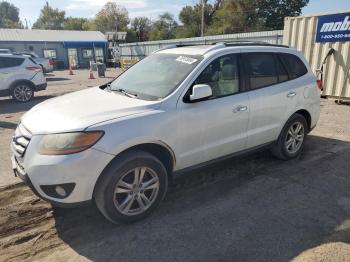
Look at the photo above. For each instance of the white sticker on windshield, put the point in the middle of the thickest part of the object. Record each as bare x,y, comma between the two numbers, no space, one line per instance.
186,59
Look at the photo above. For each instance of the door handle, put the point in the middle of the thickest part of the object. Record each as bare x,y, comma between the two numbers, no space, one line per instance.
240,109
291,94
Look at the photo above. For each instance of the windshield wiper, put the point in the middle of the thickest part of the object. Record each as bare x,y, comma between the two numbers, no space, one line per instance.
123,91
127,93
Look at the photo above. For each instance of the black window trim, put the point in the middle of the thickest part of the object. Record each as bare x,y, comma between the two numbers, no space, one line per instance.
277,58
242,82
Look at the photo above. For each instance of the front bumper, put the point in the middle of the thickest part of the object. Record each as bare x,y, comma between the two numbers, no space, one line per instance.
82,169
41,87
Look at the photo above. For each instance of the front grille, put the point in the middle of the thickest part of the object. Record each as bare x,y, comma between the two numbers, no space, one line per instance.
20,141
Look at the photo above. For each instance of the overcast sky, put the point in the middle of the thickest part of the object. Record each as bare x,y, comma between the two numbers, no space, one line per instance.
30,9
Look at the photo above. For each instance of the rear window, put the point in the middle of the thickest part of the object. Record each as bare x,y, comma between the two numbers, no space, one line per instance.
294,65
261,69
10,61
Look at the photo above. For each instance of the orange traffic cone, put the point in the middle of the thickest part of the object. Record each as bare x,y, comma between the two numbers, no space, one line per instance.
91,74
71,71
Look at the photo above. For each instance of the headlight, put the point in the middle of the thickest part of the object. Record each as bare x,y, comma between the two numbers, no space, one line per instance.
68,143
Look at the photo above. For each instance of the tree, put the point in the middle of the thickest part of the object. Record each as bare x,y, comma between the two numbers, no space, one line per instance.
142,27
74,23
9,16
190,17
50,18
112,16
272,12
164,27
89,25
235,16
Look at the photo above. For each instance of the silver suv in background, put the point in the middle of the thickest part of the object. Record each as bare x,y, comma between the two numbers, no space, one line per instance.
177,109
45,63
20,77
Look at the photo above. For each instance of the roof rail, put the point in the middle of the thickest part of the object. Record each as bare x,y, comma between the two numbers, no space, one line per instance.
252,43
217,45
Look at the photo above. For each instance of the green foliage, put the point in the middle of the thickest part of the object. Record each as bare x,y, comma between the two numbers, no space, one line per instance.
50,18
272,12
74,23
9,16
235,16
164,27
141,26
112,16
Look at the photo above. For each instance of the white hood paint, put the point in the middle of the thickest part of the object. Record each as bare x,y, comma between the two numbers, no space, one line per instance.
78,110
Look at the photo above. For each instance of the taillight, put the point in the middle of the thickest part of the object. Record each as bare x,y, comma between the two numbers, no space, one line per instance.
34,68
319,85
51,62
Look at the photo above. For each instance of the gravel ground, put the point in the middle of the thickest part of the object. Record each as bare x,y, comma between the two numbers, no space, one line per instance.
252,208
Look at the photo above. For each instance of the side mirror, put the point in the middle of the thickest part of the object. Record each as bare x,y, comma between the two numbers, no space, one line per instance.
200,91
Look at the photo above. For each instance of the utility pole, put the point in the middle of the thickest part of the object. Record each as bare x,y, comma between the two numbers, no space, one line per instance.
202,24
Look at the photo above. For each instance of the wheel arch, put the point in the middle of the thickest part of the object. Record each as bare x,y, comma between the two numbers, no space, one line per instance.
158,149
19,81
306,114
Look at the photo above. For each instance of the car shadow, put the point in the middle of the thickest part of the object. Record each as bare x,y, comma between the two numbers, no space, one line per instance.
248,208
8,106
54,79
7,125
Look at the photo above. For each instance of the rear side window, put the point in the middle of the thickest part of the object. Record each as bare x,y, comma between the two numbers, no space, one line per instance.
10,62
261,69
294,65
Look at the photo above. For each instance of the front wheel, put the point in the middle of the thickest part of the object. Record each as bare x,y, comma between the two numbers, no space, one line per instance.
291,140
131,187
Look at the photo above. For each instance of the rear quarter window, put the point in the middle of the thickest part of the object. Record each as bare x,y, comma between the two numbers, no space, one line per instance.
296,68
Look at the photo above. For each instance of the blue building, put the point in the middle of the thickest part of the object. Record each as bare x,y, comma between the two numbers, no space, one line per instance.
75,48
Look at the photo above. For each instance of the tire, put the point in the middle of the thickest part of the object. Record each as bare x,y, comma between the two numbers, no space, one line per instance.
285,149
120,176
22,92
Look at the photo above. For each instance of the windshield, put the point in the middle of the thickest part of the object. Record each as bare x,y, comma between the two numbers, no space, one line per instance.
156,76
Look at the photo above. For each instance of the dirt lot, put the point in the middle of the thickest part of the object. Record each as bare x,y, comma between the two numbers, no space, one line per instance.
252,208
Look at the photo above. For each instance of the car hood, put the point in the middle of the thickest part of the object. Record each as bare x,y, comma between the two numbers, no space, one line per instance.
78,110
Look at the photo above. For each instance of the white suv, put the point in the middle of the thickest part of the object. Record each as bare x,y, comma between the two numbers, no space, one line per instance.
175,110
20,77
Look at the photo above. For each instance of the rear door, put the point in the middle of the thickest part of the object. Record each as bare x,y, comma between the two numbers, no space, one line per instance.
9,68
271,96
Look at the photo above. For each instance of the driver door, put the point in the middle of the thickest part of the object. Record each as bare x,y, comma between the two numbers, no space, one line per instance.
219,123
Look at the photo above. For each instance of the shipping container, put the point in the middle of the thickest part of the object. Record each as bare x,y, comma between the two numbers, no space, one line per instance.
315,35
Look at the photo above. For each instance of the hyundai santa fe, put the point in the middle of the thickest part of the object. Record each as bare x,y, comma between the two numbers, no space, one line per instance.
181,107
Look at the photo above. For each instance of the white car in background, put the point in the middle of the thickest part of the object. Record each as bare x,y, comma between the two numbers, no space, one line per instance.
45,63
177,109
20,77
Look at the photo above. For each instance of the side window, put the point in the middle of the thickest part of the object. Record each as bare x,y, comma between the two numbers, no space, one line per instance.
10,62
281,71
295,66
261,69
221,75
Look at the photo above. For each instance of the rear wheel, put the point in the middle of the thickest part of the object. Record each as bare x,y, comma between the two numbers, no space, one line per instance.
22,92
131,187
291,140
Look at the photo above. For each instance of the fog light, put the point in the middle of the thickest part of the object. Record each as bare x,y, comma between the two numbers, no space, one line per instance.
60,191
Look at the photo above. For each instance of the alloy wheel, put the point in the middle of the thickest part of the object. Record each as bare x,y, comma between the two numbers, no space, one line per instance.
22,93
295,137
136,191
